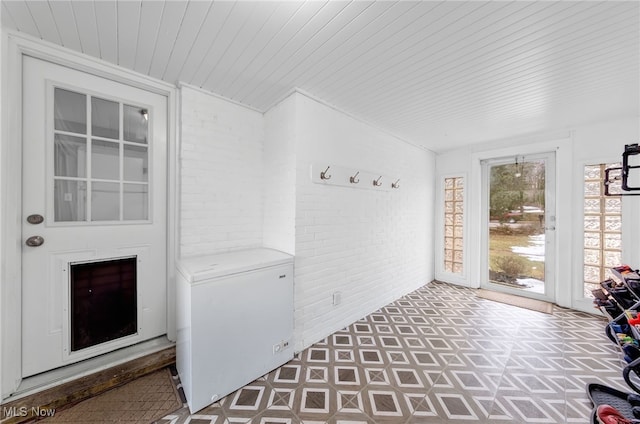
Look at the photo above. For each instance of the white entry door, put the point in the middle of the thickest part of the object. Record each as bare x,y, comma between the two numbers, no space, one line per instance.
94,192
520,226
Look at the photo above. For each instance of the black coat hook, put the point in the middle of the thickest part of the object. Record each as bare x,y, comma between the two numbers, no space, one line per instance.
323,174
396,184
377,183
354,180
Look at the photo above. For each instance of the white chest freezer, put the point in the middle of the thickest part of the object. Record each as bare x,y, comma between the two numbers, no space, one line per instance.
234,320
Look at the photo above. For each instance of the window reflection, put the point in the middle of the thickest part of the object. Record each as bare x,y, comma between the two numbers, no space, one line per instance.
135,125
105,201
105,166
69,200
70,156
70,111
105,118
105,160
135,163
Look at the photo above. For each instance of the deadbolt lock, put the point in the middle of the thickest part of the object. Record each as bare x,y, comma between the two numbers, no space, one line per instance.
35,219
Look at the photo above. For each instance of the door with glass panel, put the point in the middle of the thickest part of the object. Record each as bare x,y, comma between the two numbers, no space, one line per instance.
93,215
520,225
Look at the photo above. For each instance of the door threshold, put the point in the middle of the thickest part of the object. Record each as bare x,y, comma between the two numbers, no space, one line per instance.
521,292
70,373
514,300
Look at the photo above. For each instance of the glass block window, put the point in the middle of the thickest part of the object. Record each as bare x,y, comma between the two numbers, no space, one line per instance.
453,224
602,226
100,159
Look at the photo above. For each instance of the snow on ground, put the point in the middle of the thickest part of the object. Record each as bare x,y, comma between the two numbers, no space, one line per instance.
534,252
531,284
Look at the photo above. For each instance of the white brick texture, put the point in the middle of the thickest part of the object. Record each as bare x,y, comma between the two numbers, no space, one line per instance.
245,182
280,177
221,188
372,246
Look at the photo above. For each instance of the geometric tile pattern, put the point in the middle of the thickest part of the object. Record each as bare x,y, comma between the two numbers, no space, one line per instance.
437,355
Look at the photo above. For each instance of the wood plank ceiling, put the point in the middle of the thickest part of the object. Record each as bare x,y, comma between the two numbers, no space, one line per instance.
437,74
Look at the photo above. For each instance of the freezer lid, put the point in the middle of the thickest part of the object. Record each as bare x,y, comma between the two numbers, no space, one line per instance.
199,268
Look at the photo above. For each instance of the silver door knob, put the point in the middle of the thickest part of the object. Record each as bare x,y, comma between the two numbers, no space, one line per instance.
34,241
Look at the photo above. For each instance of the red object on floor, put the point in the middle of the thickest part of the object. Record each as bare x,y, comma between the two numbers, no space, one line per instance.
609,415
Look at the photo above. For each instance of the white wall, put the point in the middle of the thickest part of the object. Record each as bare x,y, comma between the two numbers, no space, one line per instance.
372,246
280,176
596,143
221,171
245,182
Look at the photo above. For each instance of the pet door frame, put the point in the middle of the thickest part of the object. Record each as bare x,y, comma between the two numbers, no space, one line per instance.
107,346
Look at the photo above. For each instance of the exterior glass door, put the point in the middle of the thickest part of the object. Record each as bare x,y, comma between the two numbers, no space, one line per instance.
521,225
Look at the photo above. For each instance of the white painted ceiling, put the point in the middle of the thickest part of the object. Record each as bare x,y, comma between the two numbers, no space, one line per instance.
438,74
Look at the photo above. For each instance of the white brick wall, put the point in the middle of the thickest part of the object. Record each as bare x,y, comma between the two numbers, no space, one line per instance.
280,177
372,246
221,172
245,182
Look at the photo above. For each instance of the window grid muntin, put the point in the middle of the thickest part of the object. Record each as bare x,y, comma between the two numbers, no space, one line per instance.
88,179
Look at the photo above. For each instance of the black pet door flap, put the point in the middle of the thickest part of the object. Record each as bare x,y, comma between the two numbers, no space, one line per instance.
103,302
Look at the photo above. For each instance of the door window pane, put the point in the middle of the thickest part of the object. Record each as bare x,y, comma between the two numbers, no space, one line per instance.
135,124
136,201
109,170
70,156
105,118
70,111
135,163
105,160
105,201
69,200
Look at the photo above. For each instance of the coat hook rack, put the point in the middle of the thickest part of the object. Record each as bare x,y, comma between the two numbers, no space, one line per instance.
396,184
353,179
377,183
323,174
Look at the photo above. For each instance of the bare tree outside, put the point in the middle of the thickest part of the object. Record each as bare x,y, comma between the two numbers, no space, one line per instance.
516,225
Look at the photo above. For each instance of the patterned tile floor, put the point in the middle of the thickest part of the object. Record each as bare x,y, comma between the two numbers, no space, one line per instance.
437,355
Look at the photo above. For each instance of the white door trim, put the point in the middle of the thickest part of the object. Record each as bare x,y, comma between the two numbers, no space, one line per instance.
17,45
